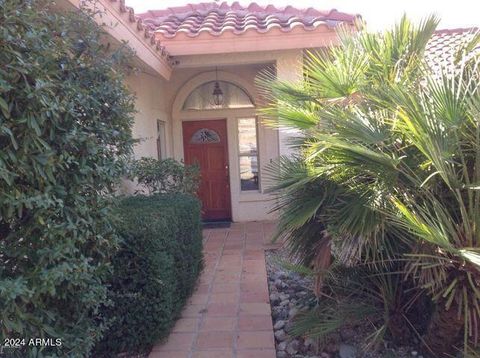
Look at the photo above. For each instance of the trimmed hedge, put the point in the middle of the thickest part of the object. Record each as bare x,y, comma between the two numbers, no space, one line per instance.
155,270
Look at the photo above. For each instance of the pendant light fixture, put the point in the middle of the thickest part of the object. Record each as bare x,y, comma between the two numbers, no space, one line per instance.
217,92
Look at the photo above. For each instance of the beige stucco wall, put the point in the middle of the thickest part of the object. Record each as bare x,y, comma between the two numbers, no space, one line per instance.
150,106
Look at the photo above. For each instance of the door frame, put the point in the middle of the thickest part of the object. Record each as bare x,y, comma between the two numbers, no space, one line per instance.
267,137
227,158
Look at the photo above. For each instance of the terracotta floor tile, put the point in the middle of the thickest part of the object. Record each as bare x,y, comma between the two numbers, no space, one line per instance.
208,340
234,268
255,308
170,354
231,251
217,353
225,298
227,276
253,254
236,237
202,289
253,277
256,353
224,287
177,342
191,311
253,227
247,340
253,287
221,309
254,297
218,324
186,325
255,323
232,294
205,280
233,245
198,298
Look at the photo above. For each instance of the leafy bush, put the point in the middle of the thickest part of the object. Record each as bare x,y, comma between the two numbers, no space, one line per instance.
65,119
387,172
155,270
166,176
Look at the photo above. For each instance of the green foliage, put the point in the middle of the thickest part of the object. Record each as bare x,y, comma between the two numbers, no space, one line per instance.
155,270
166,176
388,167
65,119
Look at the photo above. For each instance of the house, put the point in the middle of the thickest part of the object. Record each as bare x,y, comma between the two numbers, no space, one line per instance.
196,94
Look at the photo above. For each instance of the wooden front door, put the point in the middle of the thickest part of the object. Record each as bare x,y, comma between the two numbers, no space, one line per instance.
205,143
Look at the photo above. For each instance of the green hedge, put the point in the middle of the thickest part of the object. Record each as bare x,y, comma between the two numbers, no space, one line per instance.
155,270
65,132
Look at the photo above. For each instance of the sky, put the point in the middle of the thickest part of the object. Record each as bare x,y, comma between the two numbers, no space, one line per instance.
378,14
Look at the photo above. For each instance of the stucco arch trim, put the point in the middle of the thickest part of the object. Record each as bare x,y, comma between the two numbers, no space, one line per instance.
205,77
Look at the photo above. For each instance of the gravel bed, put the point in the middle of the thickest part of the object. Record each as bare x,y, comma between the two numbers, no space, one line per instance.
290,293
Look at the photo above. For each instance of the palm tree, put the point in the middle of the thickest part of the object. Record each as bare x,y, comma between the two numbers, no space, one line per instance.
387,170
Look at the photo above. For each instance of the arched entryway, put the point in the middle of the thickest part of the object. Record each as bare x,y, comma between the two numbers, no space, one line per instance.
221,138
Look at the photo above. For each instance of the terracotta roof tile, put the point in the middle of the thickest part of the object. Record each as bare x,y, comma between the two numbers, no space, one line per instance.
216,18
142,27
444,44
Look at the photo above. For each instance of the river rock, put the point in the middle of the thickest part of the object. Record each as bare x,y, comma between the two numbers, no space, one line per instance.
279,325
347,351
280,335
292,347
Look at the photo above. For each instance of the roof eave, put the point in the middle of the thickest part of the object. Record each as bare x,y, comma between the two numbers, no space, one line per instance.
122,25
250,41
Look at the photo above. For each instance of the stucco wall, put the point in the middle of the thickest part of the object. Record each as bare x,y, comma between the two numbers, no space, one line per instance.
151,106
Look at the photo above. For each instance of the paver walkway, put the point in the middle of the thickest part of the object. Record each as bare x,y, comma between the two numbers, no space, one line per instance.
228,315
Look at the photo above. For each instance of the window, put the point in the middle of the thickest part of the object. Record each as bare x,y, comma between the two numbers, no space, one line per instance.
233,97
204,135
248,153
161,145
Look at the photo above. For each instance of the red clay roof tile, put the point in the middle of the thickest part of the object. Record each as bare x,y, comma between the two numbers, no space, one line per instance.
140,26
216,18
444,44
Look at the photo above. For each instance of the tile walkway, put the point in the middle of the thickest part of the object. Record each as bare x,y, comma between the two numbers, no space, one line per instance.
228,315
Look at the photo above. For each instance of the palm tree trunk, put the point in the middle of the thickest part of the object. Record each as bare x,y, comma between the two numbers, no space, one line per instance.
444,331
321,264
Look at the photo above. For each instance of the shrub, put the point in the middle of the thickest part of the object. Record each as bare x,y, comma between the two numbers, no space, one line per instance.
65,119
387,173
155,270
166,176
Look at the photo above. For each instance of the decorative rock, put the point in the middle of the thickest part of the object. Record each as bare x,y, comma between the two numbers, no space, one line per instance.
309,342
284,303
293,346
293,312
274,298
347,351
278,283
331,347
282,346
282,354
414,353
279,325
280,335
325,355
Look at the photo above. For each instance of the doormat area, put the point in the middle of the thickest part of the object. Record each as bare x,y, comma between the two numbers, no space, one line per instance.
217,225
